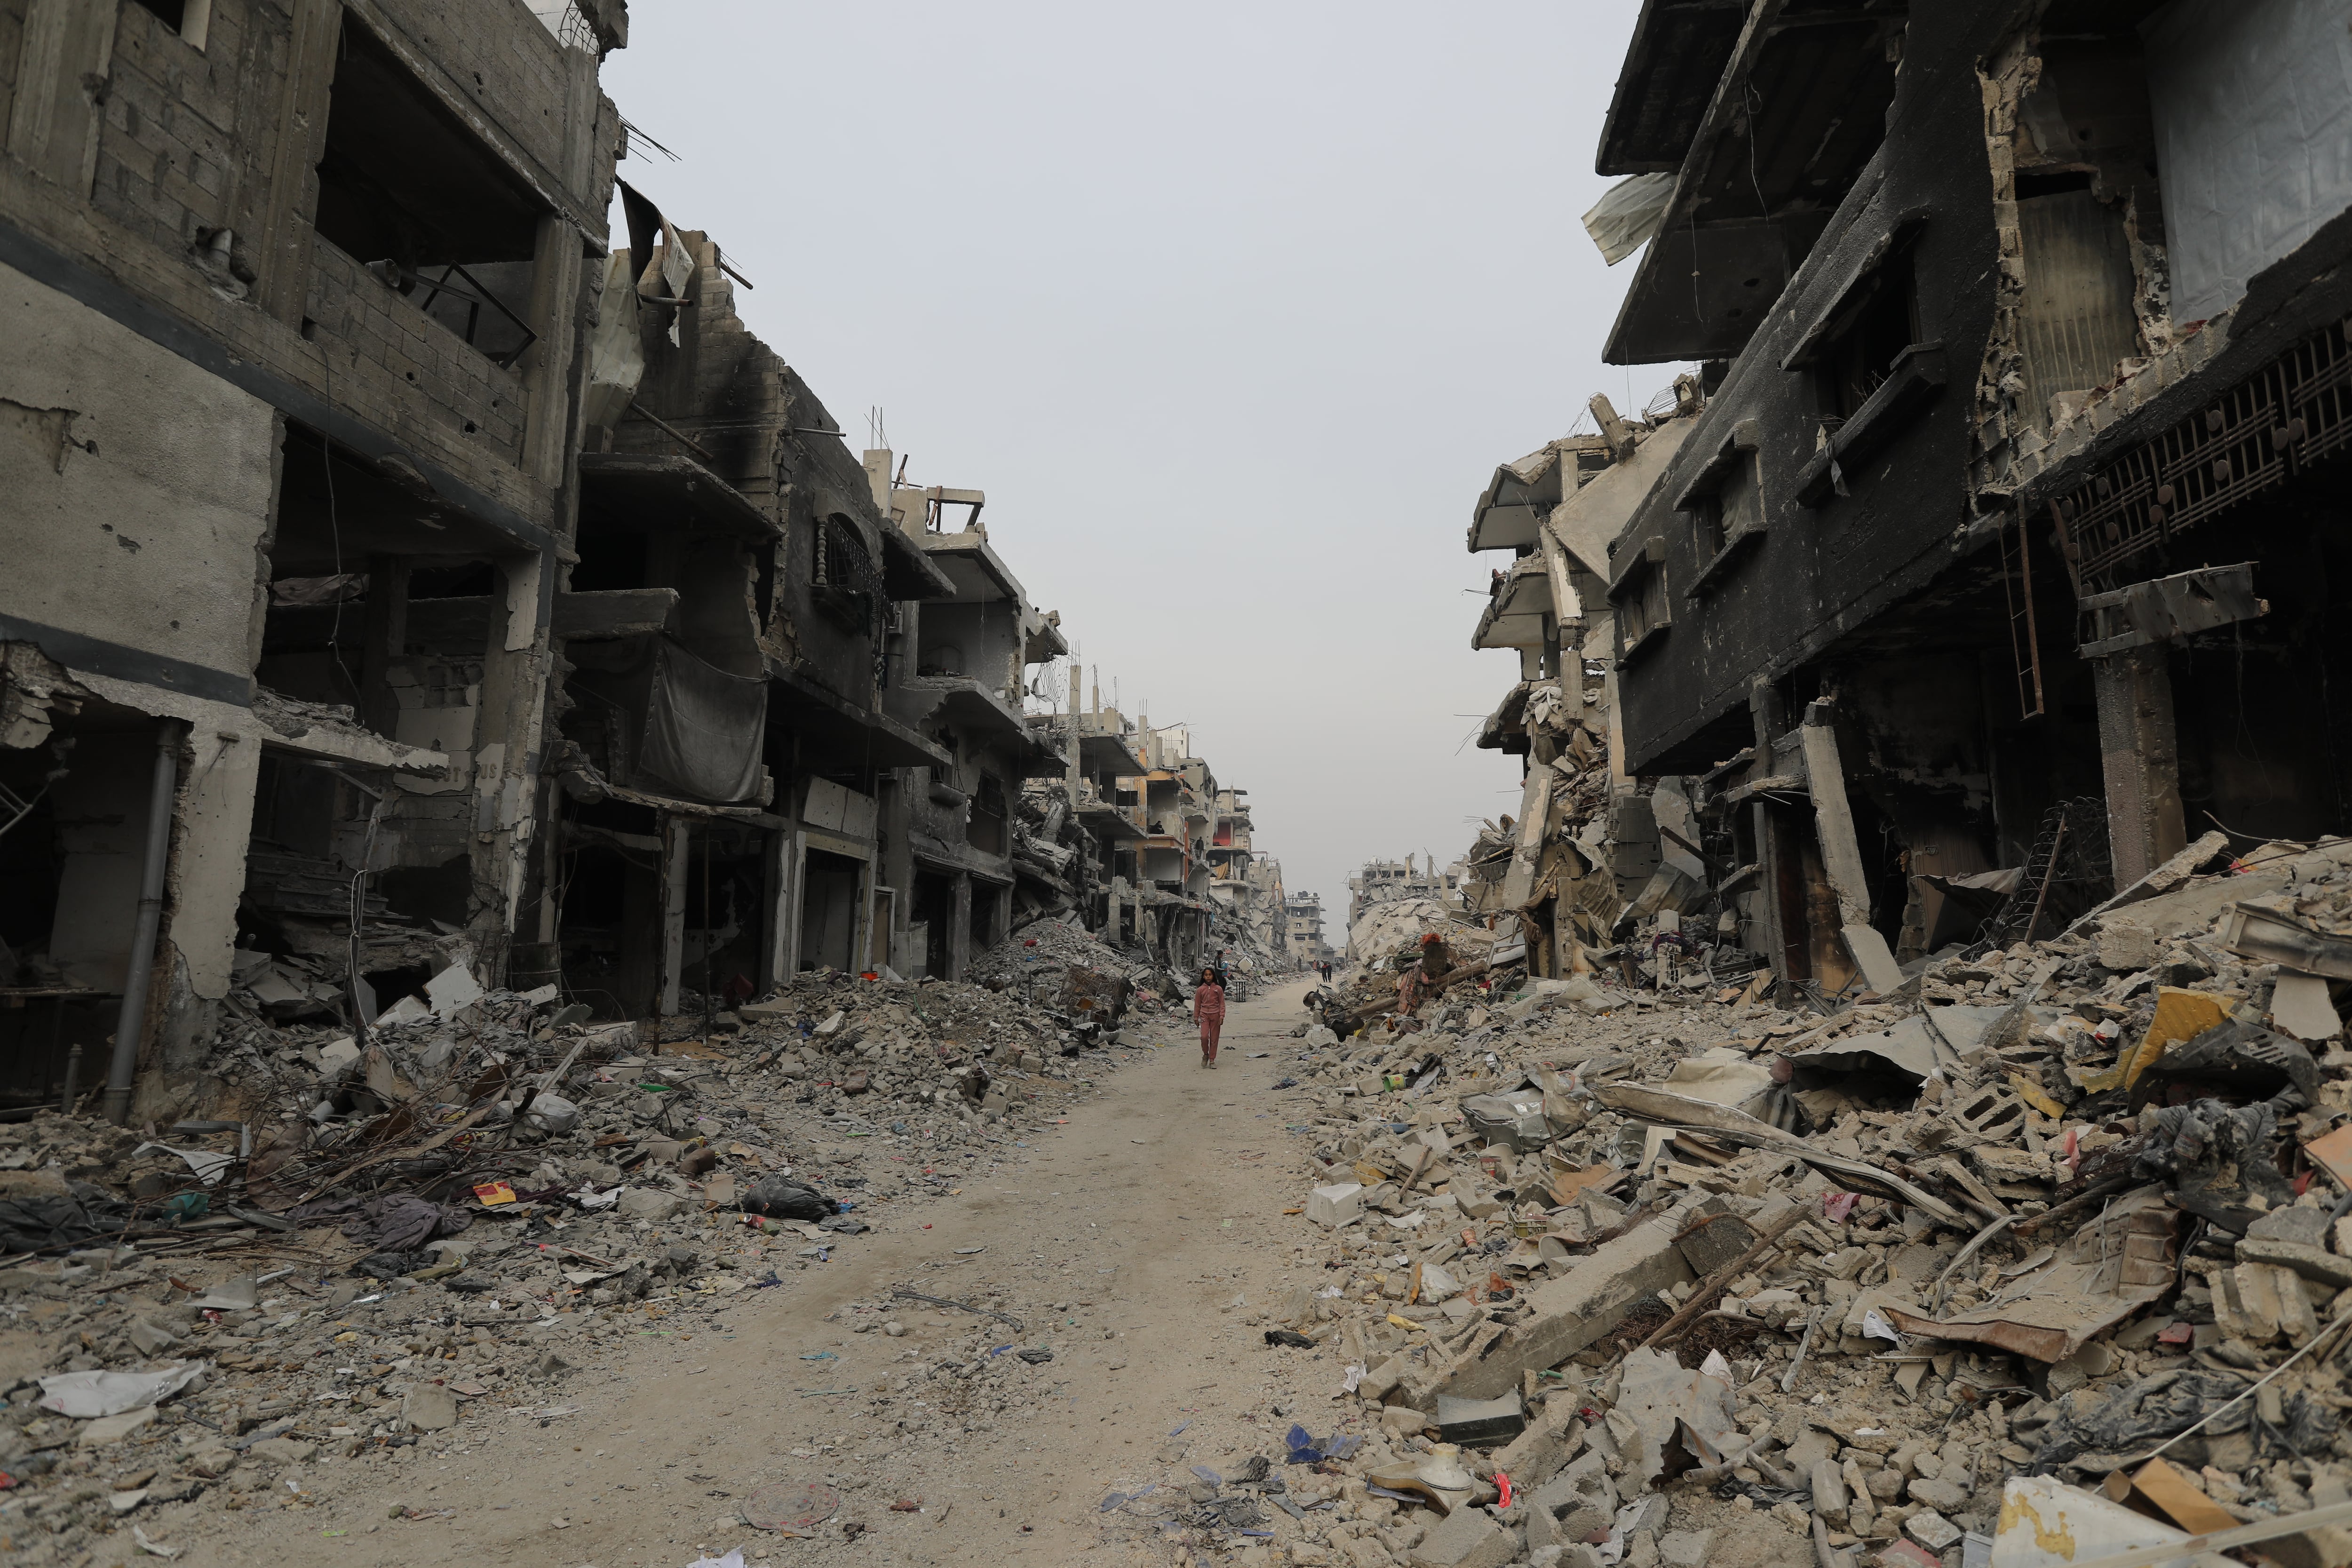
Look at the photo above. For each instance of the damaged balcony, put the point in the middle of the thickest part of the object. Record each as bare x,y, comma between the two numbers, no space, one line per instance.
1746,134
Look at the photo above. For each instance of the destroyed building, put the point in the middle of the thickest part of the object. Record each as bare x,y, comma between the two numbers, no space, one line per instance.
1586,852
725,733
966,656
410,578
1381,880
291,418
1994,568
1303,914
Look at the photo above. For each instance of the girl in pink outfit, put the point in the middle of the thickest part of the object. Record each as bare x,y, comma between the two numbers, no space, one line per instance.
1209,1012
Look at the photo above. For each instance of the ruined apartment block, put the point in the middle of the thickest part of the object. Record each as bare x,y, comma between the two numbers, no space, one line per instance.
1994,560
300,295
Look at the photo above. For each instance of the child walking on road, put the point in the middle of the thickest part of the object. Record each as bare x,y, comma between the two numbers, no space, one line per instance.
1209,1012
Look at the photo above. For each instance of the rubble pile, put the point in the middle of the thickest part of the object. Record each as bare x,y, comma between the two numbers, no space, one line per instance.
367,1247
2056,1237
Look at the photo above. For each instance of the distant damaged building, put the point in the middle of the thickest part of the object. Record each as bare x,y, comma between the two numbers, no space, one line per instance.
1999,561
298,305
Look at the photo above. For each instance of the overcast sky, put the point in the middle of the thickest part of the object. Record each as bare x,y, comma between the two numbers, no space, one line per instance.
1230,309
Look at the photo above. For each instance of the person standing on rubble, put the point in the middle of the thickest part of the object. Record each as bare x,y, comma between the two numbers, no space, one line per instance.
1436,960
1209,1012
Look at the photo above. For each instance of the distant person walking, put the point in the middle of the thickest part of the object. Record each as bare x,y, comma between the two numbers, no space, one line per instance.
1209,1012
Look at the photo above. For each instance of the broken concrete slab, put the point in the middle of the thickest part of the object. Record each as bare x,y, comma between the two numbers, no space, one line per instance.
2311,1262
1468,1538
428,1407
1573,1311
1535,1454
2108,1269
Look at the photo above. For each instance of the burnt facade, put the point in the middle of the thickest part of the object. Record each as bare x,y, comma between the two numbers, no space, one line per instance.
299,295
1997,566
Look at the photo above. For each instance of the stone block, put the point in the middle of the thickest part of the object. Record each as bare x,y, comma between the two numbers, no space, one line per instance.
1535,1454
1469,1538
1685,1548
1336,1205
429,1407
1944,1496
281,1450
649,1204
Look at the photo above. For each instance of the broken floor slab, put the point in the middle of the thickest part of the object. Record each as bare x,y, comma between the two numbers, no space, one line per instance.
2109,1269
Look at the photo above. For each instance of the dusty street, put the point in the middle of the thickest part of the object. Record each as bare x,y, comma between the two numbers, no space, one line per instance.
1122,1241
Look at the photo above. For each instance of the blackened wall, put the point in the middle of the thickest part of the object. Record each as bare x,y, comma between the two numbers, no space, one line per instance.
1819,573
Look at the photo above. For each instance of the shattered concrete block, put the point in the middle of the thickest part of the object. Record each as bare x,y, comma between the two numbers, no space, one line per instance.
1944,1496
1336,1205
649,1204
1828,1480
1716,1235
148,1340
428,1407
1685,1548
281,1450
1469,1538
1932,1530
2308,1261
2125,946
108,1429
1535,1454
1577,1308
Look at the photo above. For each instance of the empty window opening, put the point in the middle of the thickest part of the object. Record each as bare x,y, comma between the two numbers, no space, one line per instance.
985,831
192,19
408,191
1858,354
1731,509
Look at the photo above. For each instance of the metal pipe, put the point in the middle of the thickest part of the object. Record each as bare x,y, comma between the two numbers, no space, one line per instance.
131,1023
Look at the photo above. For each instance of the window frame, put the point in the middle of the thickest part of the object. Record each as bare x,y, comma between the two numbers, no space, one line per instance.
1722,543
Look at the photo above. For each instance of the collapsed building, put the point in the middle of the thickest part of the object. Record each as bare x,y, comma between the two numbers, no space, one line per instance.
1303,917
1973,575
292,420
411,576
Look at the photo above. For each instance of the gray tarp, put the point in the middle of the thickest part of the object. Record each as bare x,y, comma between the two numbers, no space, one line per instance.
704,727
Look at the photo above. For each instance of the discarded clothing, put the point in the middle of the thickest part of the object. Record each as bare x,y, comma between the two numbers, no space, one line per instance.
389,1222
84,1214
780,1197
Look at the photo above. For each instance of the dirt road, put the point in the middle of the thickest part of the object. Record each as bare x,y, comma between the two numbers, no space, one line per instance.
1140,1243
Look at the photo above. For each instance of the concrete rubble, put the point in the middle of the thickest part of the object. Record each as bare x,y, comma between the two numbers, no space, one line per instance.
2055,1227
428,1244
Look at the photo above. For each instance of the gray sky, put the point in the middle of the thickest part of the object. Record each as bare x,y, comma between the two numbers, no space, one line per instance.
1232,311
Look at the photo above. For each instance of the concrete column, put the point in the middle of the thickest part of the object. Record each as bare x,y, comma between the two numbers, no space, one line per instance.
677,852
1764,711
555,306
383,637
2140,751
959,926
1073,769
288,200
791,898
